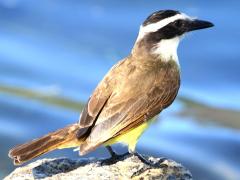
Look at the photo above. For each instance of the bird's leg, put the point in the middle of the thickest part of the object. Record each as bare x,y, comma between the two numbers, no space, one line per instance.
114,156
112,152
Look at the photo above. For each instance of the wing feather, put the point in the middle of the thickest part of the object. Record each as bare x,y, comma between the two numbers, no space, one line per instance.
129,104
97,101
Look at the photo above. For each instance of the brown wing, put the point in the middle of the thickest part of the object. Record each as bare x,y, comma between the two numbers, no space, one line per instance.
142,96
96,102
158,103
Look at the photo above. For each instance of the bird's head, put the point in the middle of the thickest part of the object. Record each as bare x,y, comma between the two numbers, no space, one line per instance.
161,32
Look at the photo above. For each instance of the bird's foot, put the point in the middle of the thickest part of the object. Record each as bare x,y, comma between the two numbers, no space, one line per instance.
148,164
114,157
144,160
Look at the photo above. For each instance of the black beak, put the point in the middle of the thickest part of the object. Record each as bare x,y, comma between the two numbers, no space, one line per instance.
198,24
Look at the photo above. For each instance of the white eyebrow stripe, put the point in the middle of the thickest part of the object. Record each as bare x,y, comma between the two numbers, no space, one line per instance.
156,26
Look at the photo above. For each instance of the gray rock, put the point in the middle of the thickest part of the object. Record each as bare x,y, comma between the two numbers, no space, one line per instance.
126,167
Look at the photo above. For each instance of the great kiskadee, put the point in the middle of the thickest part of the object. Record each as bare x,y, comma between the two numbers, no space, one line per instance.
135,90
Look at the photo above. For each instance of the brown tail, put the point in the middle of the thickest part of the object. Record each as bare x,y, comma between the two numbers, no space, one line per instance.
62,138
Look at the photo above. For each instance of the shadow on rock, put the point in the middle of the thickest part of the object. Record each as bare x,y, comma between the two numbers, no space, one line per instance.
56,166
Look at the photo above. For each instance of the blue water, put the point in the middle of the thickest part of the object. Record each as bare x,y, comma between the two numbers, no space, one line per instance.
64,48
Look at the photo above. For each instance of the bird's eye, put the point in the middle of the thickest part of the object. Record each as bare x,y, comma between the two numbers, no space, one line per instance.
178,23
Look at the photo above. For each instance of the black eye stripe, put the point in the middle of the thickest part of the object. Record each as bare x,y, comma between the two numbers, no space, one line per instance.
169,31
159,15
178,23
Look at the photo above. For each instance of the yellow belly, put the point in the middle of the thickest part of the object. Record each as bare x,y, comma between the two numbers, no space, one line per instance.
131,137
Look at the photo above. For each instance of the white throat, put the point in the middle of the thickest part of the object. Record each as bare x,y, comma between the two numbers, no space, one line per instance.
166,49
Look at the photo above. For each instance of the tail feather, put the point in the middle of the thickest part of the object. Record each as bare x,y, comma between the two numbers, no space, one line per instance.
62,138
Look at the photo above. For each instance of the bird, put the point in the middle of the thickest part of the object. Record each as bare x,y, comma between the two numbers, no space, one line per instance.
130,95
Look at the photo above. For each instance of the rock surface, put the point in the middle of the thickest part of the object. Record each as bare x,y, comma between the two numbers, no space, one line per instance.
127,167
